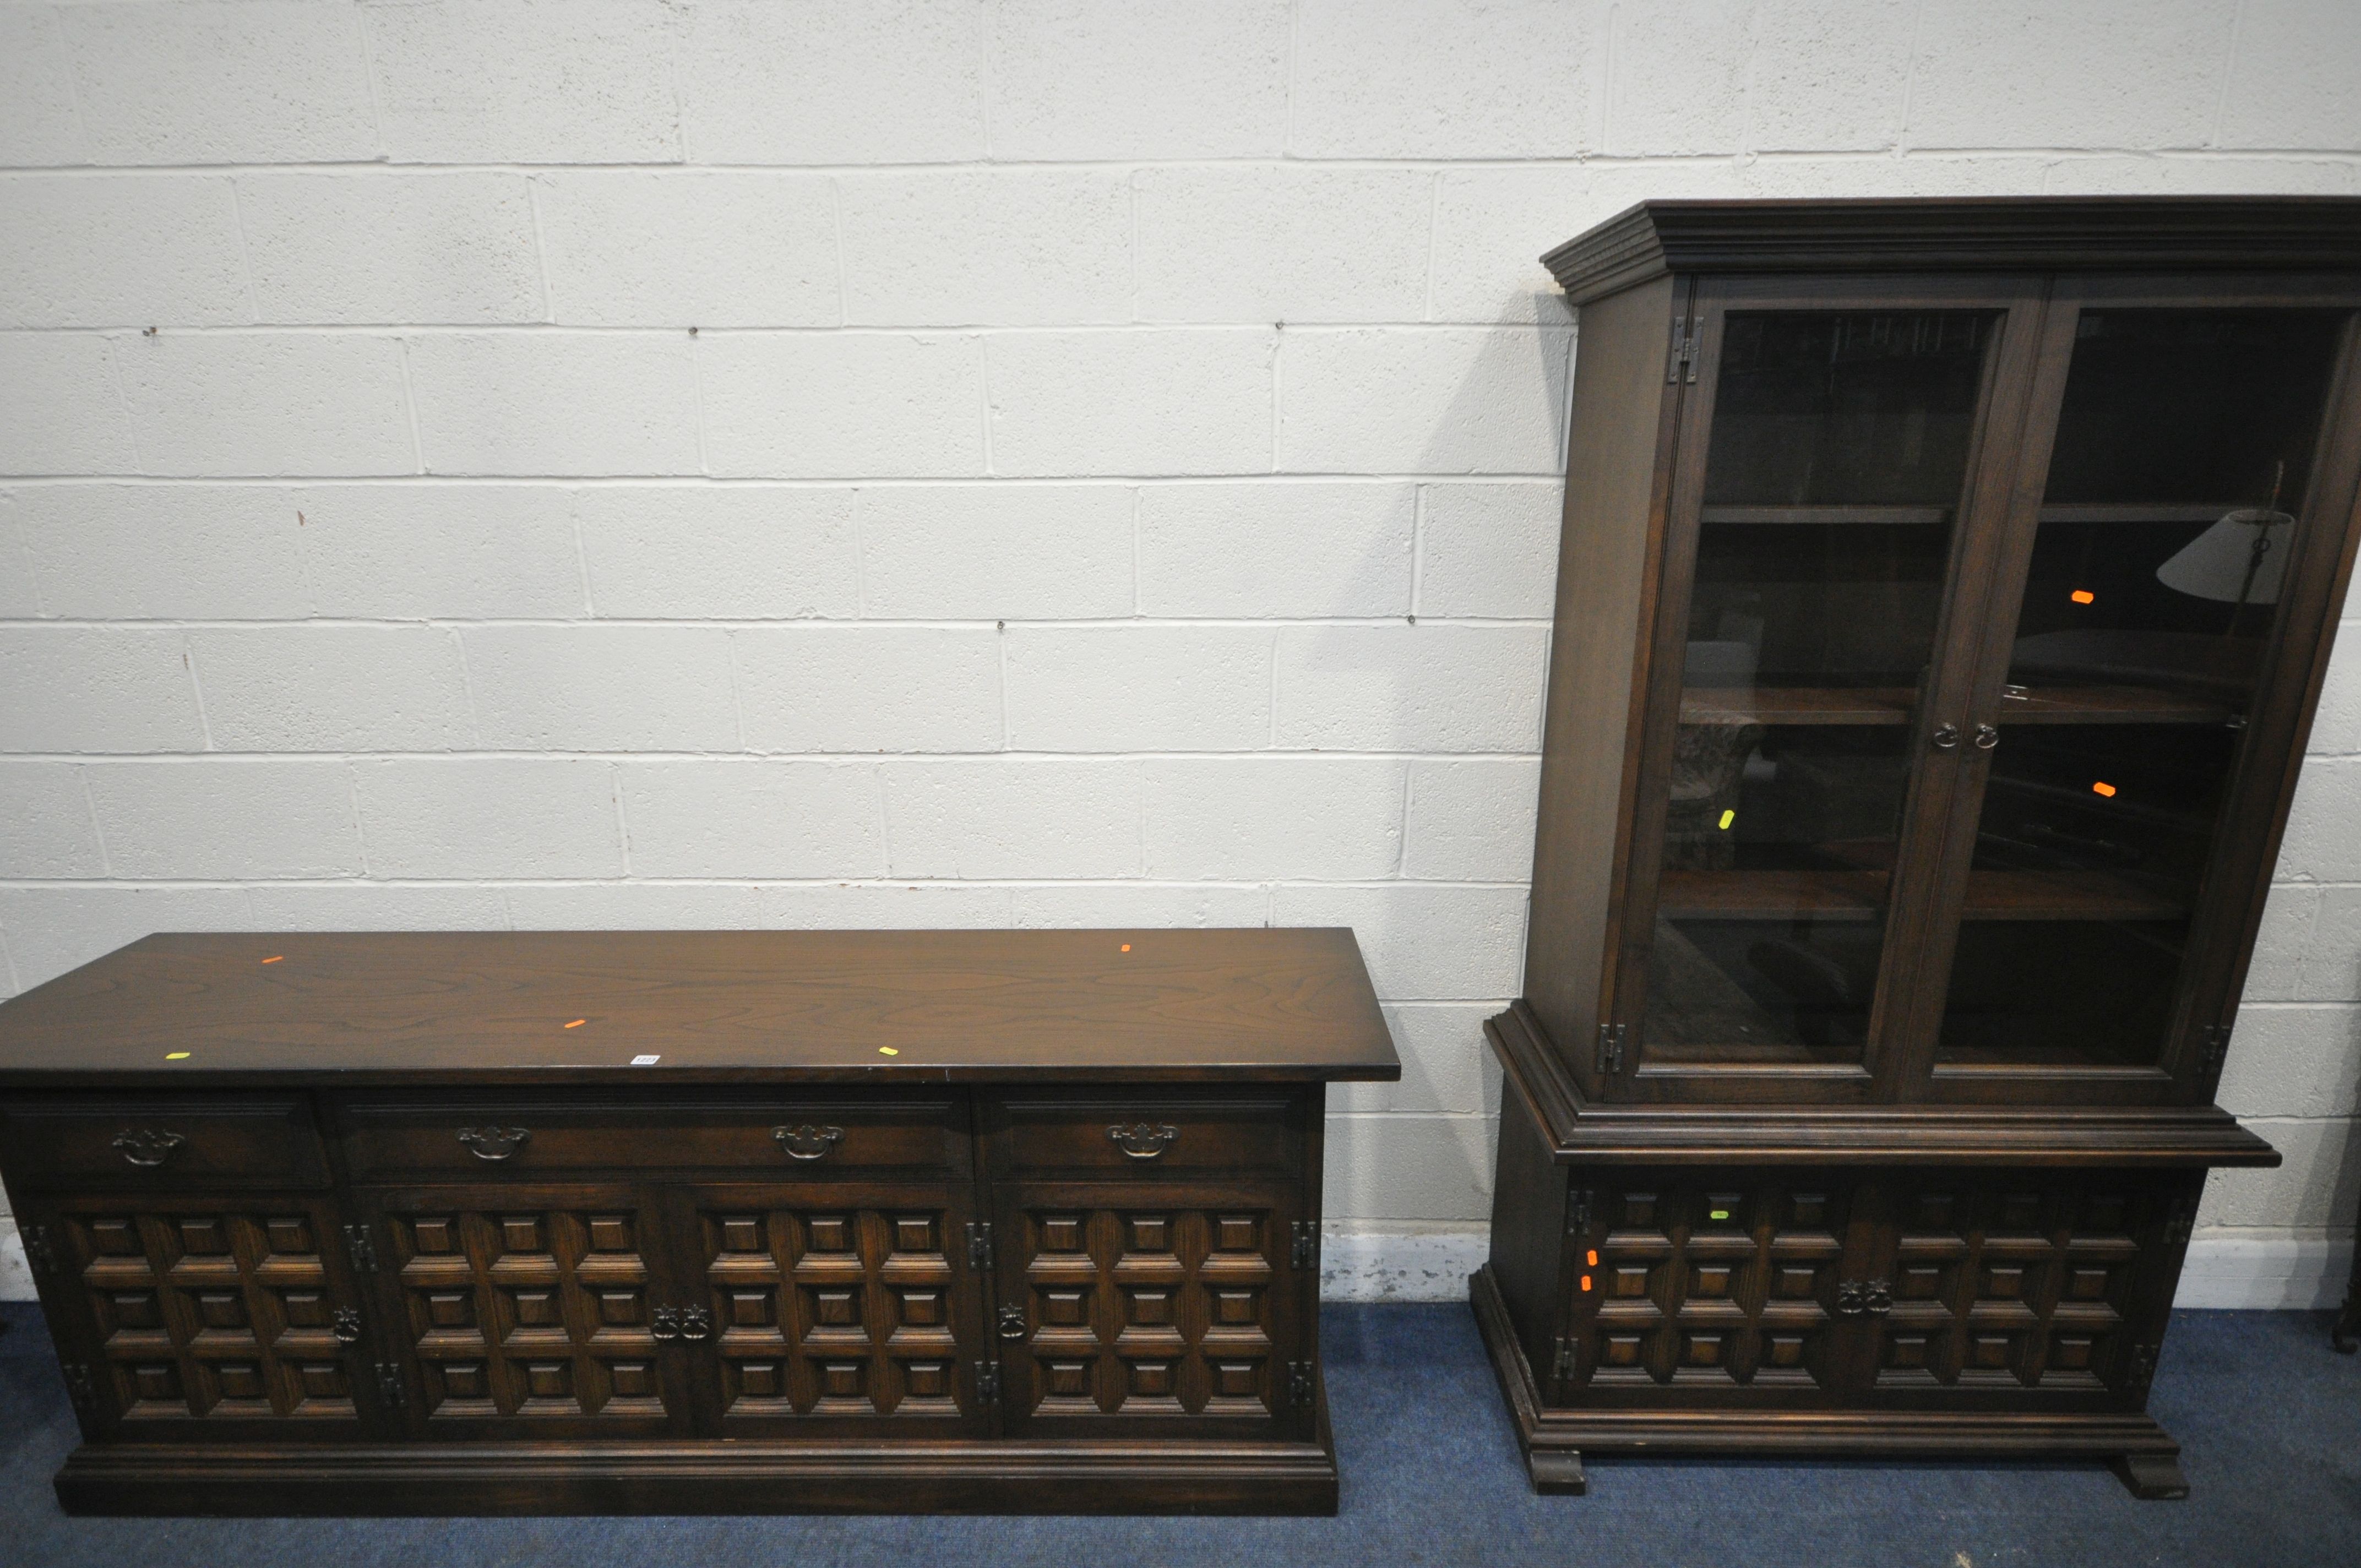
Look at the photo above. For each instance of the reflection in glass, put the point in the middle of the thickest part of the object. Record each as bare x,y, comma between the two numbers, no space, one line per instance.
1833,471
2183,444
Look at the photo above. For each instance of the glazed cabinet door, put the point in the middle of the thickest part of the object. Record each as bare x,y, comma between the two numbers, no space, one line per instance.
1985,1287
221,1316
1840,468
1161,1309
842,1308
526,1311
2171,558
1713,1287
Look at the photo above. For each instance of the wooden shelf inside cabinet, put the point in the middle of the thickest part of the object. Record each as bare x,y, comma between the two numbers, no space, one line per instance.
2111,704
1823,516
1771,896
1797,705
2067,895
2139,511
1895,704
1861,896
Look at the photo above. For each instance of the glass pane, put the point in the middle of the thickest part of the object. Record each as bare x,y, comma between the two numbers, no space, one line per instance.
2184,446
1833,470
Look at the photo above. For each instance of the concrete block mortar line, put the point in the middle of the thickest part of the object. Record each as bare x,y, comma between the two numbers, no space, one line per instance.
410,407
1477,162
360,821
106,863
196,688
114,340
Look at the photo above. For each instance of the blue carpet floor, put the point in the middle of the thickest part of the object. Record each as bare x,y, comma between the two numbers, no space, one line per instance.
2268,1420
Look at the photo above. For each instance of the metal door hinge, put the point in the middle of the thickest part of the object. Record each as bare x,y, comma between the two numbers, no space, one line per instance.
2217,1045
1610,1046
2142,1368
37,1252
364,1250
1577,1211
1563,1368
392,1389
979,1244
1307,1243
1299,1383
1686,332
81,1389
987,1382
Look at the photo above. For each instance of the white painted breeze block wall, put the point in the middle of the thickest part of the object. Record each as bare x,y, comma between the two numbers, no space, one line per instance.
485,464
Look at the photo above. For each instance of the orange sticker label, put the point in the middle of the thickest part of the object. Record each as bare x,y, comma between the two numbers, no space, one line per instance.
2105,789
2083,596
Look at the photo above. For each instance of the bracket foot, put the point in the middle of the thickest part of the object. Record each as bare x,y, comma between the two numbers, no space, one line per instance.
2152,1476
1558,1472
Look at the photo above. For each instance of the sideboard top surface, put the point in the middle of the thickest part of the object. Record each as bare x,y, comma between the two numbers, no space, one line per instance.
777,1006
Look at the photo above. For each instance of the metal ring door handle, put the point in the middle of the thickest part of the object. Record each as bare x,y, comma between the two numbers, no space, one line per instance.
1946,736
348,1325
1986,737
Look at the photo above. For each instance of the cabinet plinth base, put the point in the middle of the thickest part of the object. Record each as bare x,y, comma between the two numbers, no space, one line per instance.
1557,1437
691,1477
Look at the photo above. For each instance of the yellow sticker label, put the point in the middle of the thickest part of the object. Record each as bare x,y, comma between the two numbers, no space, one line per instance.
176,1055
1727,818
887,1051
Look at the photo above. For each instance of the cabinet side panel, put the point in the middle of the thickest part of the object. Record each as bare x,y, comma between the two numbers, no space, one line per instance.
1528,1232
1618,456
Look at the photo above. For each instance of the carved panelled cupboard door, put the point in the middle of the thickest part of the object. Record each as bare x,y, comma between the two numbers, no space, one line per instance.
1153,1308
1723,1286
2015,1282
236,1316
524,1311
833,1307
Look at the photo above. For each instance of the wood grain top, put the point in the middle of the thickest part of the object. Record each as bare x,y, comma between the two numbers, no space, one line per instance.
872,1006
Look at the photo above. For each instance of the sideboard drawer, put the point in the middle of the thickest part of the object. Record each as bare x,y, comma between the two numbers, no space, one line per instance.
471,1137
179,1142
1117,1133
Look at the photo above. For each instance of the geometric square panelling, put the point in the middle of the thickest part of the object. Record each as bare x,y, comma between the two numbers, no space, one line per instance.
1153,1310
219,1315
528,1312
836,1311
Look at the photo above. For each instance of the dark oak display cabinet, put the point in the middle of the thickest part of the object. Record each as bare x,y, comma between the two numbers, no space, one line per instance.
1944,593
748,1221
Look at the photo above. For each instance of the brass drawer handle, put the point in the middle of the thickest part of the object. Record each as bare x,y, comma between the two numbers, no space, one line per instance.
808,1142
147,1147
494,1143
1142,1141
